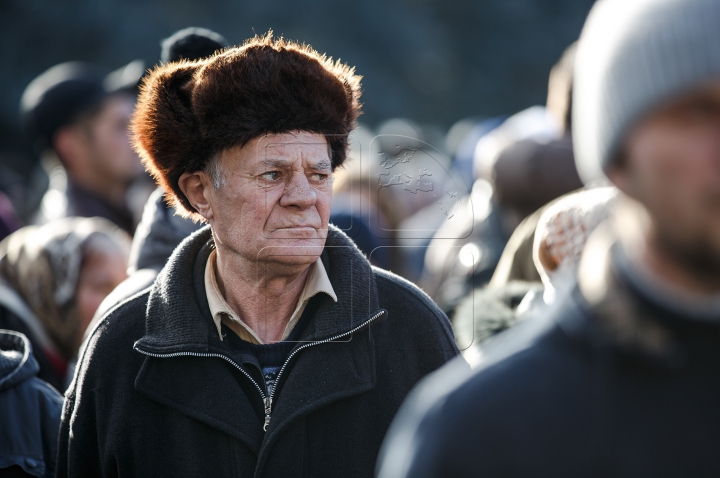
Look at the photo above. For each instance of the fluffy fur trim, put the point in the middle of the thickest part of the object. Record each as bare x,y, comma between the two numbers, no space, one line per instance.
190,111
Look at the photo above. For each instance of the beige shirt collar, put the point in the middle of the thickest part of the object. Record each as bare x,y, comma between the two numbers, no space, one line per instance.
317,281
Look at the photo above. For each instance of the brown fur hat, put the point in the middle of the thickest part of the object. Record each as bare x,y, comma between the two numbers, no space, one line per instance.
190,111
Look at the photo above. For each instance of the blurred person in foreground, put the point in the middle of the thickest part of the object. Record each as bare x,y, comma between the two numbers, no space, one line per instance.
52,279
161,228
618,377
29,412
268,345
78,119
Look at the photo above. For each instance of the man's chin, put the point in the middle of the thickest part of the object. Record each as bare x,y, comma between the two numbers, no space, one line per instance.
293,251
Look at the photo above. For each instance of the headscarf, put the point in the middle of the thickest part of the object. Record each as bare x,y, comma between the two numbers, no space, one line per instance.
42,264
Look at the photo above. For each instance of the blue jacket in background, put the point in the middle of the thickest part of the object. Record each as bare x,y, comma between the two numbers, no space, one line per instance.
29,411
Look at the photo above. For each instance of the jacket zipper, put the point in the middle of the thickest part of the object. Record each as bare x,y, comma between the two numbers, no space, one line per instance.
267,400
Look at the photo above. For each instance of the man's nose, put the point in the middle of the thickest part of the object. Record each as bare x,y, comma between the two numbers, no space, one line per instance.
298,192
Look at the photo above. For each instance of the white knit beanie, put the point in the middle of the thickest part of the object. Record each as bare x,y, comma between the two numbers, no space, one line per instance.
634,55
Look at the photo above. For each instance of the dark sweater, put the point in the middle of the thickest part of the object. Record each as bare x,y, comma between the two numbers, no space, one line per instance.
157,393
616,386
264,361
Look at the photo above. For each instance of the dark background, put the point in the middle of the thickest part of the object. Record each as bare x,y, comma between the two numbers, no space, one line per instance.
433,61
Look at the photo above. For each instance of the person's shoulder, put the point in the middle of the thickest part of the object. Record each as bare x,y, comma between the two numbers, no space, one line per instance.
408,304
407,433
511,358
519,378
112,336
523,360
52,399
136,283
125,316
33,391
545,347
390,285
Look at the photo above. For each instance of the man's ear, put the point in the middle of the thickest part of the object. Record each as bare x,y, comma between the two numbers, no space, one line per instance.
197,187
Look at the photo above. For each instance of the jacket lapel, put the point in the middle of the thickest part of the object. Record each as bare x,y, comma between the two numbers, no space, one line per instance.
205,389
321,375
183,368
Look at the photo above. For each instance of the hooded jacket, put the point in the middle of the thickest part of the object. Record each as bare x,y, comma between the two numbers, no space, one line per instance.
608,381
17,316
157,393
29,412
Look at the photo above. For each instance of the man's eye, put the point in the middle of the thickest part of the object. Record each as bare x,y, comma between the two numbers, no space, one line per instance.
319,177
271,176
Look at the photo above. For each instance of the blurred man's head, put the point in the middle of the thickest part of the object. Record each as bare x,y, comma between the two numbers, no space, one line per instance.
95,148
647,115
191,44
670,163
528,174
76,112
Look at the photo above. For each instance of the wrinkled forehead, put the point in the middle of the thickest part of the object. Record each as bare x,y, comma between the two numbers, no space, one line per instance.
292,146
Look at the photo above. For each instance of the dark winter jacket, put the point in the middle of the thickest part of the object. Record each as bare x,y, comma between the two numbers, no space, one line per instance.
157,393
29,412
606,383
160,231
83,203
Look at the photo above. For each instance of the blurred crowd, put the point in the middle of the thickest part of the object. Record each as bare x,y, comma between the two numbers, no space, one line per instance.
495,220
491,173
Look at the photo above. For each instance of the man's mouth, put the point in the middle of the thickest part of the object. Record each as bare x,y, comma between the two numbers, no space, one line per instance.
296,232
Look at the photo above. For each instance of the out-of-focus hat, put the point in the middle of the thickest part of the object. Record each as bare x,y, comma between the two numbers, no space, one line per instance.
632,57
191,44
59,95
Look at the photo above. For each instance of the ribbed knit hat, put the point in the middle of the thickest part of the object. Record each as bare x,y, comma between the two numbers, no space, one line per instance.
633,56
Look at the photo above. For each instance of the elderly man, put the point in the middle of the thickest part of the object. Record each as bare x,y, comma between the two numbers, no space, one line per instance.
620,378
268,346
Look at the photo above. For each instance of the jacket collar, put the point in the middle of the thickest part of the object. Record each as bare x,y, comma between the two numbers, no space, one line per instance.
177,317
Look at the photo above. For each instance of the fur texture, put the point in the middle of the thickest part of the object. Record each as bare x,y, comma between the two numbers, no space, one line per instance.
190,111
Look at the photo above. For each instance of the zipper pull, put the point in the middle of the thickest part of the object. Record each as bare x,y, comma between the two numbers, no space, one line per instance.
268,411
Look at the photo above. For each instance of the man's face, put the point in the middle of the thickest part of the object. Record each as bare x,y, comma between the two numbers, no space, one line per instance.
672,167
275,204
109,140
